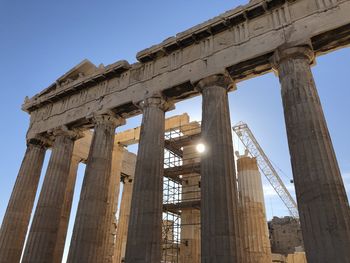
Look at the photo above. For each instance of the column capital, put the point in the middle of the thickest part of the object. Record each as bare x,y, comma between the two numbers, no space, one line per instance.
73,134
107,119
76,158
156,100
282,54
218,80
39,141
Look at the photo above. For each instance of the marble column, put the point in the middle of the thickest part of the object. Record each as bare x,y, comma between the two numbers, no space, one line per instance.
117,159
255,235
219,201
16,220
322,201
44,230
68,199
123,221
90,239
145,233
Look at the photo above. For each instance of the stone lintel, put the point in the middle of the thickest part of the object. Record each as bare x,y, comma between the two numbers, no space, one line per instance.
128,137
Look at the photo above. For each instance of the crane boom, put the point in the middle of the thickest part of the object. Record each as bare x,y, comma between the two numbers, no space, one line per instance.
246,136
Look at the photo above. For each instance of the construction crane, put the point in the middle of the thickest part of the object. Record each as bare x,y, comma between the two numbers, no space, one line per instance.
247,138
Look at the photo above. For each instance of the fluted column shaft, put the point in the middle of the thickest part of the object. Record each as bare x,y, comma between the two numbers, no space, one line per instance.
44,230
255,237
123,222
68,199
219,203
144,232
128,170
16,220
322,201
90,239
117,158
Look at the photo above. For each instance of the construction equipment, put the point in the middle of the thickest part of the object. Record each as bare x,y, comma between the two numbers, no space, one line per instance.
249,141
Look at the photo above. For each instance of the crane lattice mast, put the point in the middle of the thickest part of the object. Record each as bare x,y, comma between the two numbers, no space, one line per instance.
249,141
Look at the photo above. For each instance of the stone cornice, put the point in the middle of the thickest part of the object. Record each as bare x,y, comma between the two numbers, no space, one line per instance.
211,27
192,36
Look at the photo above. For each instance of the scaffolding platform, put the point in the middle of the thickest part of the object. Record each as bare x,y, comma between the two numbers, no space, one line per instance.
175,144
176,172
176,208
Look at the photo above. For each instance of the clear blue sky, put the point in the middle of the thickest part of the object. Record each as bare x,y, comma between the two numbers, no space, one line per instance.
41,40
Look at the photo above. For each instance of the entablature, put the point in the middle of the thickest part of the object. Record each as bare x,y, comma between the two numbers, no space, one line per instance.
241,49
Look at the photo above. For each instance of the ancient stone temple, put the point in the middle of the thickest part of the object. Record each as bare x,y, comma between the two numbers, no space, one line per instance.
79,117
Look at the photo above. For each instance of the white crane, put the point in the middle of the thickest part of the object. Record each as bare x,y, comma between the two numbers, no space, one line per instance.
246,136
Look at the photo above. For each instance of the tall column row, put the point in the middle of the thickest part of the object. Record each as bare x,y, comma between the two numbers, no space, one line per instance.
323,204
47,235
44,229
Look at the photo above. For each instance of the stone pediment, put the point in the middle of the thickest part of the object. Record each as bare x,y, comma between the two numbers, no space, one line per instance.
85,71
84,68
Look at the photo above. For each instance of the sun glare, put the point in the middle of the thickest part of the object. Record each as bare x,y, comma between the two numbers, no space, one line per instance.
200,148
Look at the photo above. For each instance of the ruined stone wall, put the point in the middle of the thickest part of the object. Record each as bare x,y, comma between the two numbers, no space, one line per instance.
285,235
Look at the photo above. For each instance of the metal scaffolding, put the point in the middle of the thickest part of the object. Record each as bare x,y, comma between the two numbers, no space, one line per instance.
181,186
176,191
